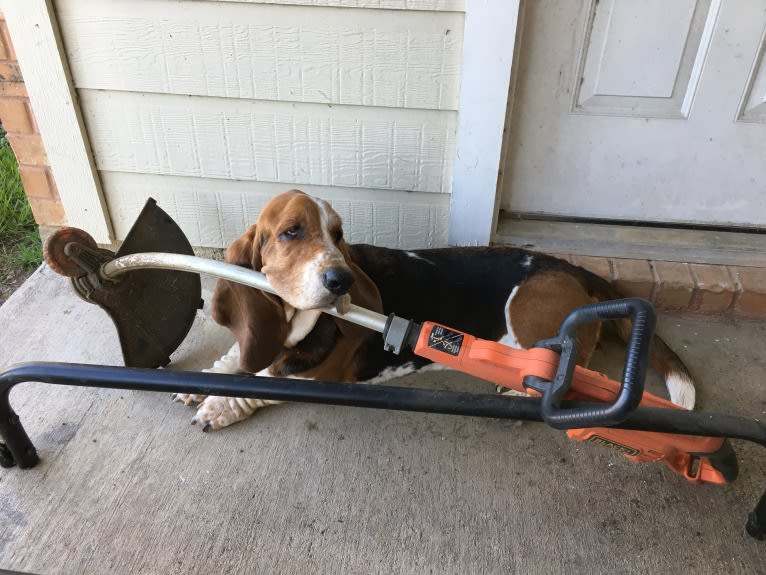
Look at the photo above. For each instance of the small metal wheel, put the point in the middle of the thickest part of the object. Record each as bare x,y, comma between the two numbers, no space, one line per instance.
54,253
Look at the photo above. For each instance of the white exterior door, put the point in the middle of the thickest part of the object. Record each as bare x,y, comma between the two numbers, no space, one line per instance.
640,110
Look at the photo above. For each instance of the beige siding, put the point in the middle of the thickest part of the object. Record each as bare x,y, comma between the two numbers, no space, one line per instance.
266,52
457,5
270,141
213,215
241,99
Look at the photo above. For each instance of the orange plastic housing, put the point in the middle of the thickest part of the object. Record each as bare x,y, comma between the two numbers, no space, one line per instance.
508,367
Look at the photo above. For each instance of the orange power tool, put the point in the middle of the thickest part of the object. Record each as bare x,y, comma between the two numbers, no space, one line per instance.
590,406
548,370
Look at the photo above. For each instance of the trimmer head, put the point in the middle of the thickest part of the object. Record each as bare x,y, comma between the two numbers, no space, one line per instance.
153,309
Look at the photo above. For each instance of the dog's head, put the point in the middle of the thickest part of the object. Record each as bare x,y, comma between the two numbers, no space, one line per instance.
298,244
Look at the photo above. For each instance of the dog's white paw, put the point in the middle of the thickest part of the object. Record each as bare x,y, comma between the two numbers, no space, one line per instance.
188,399
217,412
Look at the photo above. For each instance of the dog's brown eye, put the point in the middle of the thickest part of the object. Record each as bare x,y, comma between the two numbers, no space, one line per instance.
291,233
337,235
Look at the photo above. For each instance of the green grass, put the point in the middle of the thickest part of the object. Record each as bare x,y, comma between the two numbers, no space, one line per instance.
20,247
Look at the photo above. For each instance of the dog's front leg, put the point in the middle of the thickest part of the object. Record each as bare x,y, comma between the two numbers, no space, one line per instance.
215,412
229,363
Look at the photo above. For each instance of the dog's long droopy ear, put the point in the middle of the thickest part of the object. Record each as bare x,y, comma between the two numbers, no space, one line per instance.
245,251
257,319
363,292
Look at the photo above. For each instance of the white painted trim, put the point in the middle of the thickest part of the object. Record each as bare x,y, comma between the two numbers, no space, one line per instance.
488,48
34,31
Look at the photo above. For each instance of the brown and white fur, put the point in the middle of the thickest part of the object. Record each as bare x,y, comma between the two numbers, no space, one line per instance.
502,294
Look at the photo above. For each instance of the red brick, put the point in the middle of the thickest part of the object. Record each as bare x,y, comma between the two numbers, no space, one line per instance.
15,116
6,48
633,278
9,44
714,288
10,72
598,265
31,116
13,90
674,285
752,299
28,148
37,182
10,53
47,212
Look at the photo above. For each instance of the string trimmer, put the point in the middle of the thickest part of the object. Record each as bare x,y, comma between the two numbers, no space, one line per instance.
146,289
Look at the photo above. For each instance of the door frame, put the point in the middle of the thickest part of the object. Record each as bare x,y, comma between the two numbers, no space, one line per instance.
490,41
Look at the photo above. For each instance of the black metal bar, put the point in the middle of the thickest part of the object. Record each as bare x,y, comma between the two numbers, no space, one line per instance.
309,391
378,396
702,423
16,441
381,397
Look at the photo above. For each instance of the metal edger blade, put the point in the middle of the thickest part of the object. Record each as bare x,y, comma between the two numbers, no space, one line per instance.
153,309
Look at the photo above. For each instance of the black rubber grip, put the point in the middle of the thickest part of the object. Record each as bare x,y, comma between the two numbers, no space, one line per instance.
634,371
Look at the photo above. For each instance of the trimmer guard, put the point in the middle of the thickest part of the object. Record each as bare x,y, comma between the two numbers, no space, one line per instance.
152,309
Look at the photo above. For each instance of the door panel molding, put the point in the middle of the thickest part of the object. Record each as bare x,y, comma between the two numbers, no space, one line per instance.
753,106
660,86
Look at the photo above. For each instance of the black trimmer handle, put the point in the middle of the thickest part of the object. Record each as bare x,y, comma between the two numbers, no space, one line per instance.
634,371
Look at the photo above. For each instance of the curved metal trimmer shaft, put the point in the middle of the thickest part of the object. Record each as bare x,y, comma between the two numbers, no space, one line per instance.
158,260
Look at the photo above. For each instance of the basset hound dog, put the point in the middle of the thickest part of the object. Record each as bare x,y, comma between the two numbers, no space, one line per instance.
503,294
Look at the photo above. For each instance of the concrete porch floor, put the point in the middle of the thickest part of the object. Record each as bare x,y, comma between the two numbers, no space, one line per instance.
127,486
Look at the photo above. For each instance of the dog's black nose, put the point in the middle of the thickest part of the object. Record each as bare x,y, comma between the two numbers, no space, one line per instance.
338,280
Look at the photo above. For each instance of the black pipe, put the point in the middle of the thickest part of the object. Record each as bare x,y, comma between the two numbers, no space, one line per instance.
374,396
18,448
381,397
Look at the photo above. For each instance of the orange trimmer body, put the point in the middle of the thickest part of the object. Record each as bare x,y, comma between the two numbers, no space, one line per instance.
508,367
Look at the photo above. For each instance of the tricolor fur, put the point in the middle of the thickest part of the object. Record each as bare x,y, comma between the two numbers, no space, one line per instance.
502,294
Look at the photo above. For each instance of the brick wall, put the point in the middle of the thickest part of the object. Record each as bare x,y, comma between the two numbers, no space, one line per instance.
19,122
729,291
